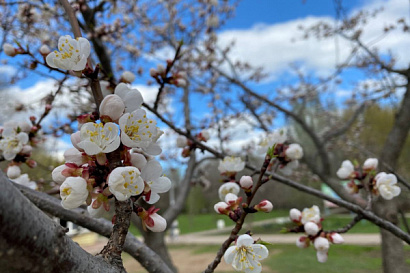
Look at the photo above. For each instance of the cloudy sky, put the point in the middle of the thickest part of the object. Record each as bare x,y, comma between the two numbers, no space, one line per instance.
266,34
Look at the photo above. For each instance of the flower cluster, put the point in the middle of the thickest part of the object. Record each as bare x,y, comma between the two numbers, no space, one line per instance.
113,153
246,255
365,176
16,141
309,222
286,156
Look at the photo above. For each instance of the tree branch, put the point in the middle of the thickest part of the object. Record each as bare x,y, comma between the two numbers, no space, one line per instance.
139,251
31,241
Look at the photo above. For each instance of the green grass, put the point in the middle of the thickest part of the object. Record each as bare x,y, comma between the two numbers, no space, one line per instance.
330,223
342,258
201,222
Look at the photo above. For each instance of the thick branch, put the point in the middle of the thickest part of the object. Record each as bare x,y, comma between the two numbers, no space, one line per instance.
144,255
31,242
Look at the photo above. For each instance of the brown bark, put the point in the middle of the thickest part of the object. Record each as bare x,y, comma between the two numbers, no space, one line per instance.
392,247
31,242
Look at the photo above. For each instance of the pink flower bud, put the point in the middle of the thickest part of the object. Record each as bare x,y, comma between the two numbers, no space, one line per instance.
153,72
9,50
370,164
128,77
336,238
246,182
33,118
295,215
265,206
231,199
48,107
112,106
221,208
44,50
204,136
303,242
31,163
311,228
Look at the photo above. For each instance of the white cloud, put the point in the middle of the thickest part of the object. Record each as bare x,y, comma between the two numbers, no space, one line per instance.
271,46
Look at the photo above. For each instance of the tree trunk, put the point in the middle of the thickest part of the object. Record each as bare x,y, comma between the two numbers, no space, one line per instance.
392,247
156,241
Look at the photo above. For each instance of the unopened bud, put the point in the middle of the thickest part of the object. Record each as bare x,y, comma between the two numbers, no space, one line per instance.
112,106
265,206
128,77
336,238
311,228
246,182
44,50
9,50
295,215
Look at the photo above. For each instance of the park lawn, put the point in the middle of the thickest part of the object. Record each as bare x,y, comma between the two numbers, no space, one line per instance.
330,223
200,222
290,259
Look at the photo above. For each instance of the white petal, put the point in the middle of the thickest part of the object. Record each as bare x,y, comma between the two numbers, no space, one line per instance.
244,240
89,147
260,251
161,185
121,90
84,46
153,149
151,171
133,100
113,145
125,139
9,155
153,198
80,65
230,254
50,59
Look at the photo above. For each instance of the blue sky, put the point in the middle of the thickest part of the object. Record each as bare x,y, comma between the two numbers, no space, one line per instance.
264,29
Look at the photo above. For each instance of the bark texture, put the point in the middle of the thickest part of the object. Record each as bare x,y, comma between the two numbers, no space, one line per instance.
31,242
143,254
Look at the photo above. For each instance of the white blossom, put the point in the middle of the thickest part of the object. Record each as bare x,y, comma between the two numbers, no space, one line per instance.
112,106
321,256
212,20
245,256
276,137
125,182
98,138
311,215
132,98
139,132
73,192
346,170
229,187
386,184
72,54
370,164
294,151
264,205
12,143
231,164
151,174
57,174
